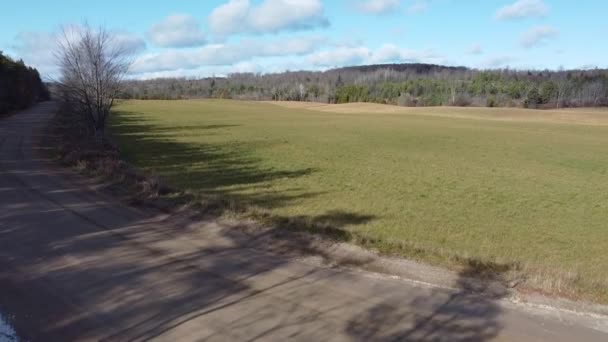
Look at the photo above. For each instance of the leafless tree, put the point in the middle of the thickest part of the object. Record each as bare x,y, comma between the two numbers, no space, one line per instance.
591,94
564,86
93,64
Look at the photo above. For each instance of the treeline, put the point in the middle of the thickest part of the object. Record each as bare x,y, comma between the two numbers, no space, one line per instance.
397,84
20,85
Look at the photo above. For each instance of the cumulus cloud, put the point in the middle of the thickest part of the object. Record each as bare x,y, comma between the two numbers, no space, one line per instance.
387,53
129,41
339,56
393,53
126,41
230,17
202,71
243,55
177,30
37,48
377,7
522,9
538,35
224,54
270,16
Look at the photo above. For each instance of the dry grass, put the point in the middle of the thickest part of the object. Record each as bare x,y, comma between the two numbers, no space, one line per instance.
582,116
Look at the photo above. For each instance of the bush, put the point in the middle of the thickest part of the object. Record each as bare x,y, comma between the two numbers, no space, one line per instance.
533,99
548,91
491,102
352,93
462,100
431,100
406,100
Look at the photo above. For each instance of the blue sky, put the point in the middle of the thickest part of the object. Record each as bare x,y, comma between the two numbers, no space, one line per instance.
203,38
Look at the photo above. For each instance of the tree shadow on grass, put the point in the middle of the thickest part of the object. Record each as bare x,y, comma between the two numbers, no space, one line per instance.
225,172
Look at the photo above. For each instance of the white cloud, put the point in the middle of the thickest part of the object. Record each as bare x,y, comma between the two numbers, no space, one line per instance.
377,7
230,17
38,48
129,41
225,54
177,30
475,50
270,16
259,55
123,40
203,71
538,35
339,56
248,66
275,15
522,9
387,53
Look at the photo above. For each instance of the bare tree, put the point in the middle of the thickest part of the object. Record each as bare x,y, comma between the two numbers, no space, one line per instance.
93,65
591,94
564,86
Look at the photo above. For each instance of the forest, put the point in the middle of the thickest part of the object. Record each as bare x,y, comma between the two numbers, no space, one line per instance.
396,84
20,85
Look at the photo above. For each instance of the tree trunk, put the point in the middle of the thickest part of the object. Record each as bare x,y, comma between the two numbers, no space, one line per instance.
100,132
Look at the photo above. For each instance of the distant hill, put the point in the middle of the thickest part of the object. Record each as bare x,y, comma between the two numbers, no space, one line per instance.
407,84
419,68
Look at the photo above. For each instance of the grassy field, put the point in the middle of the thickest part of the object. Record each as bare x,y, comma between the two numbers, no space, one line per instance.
523,189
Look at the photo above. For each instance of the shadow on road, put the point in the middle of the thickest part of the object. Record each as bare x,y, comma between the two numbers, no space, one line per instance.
438,315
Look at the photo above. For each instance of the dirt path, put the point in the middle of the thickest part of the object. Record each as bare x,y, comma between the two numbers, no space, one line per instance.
78,265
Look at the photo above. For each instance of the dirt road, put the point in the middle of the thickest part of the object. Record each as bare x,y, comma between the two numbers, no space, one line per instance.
76,264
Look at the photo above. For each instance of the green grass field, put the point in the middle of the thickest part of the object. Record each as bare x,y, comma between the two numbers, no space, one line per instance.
494,187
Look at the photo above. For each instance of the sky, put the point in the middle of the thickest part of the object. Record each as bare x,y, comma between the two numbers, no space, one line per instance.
188,38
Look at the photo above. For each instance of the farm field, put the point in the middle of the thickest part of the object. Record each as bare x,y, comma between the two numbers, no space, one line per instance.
524,189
